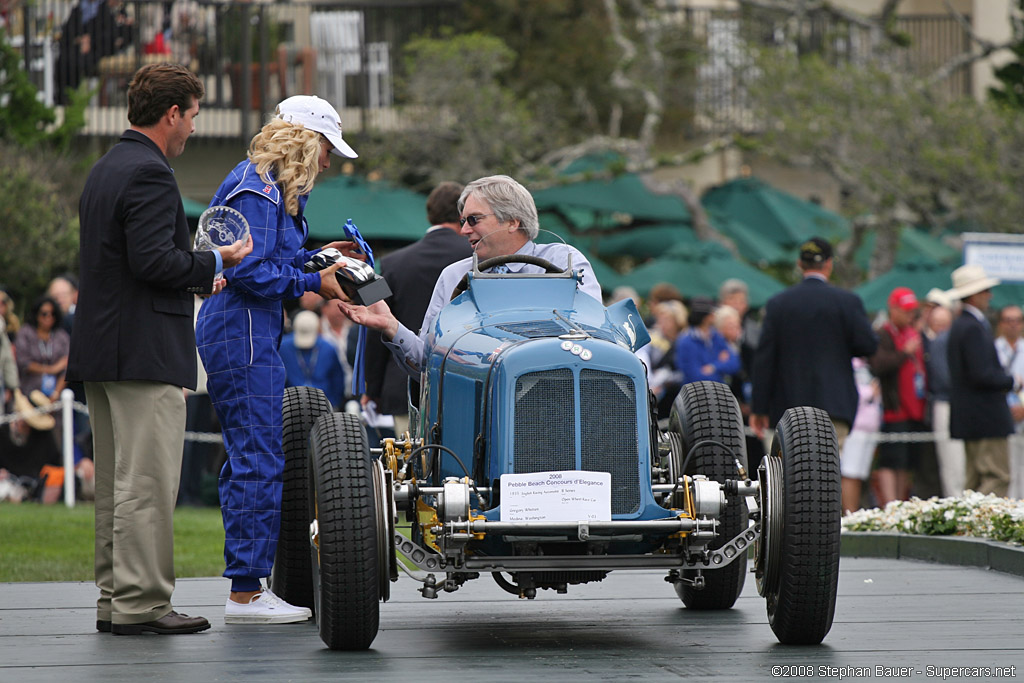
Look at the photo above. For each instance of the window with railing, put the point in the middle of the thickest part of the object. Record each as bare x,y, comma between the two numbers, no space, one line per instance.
250,55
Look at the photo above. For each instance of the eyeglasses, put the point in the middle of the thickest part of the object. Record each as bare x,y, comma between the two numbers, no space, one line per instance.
1013,320
45,314
474,219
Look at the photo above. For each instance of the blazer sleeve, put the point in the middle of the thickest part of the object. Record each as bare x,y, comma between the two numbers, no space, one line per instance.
762,374
151,202
981,366
377,356
863,342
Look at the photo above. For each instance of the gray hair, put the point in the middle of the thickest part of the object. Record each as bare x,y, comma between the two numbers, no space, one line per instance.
732,286
724,313
508,200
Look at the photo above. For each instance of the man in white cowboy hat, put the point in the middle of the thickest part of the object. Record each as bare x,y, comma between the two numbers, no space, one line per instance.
979,413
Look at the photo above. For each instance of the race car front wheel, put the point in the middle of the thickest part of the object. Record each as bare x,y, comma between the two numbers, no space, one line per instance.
797,556
344,534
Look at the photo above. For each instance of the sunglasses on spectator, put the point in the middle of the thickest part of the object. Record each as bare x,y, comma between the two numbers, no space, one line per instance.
474,219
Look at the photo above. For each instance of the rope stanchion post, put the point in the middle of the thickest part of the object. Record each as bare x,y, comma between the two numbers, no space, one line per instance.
67,398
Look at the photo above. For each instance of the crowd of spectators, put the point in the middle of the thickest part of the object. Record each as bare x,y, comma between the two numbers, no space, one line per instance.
33,362
899,443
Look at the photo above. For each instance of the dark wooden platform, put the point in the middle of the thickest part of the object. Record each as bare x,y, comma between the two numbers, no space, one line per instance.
630,627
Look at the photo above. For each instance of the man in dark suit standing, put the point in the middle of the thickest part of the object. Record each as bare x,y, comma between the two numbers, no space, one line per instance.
411,273
978,411
134,346
810,335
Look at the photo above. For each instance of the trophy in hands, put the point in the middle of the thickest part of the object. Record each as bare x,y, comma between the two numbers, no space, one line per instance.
357,279
220,226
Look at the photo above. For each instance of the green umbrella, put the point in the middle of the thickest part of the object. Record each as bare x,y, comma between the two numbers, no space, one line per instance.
605,274
193,210
641,241
778,216
920,275
381,211
752,245
699,270
624,196
914,245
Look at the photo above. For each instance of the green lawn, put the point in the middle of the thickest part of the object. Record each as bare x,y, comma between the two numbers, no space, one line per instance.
54,543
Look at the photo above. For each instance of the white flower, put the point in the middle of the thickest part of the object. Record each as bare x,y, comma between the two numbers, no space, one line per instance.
975,514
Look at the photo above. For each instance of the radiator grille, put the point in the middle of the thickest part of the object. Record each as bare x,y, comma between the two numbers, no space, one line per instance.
610,442
545,422
545,428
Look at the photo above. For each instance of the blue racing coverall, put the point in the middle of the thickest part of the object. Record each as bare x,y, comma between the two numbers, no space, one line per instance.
237,334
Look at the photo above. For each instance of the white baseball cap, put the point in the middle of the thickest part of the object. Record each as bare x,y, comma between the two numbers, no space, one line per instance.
306,327
316,114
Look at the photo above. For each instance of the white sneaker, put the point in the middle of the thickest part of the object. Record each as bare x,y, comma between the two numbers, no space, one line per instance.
264,608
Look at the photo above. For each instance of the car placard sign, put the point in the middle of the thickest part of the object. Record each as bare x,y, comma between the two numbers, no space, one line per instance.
568,496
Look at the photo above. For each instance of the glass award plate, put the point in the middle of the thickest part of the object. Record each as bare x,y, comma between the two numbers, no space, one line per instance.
220,226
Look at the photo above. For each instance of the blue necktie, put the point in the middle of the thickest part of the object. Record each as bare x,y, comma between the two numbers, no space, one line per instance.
359,367
500,270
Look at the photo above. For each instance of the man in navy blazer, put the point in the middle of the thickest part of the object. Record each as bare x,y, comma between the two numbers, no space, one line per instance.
810,335
979,413
134,347
411,273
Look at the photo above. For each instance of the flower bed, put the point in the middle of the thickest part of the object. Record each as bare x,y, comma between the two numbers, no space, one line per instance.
973,514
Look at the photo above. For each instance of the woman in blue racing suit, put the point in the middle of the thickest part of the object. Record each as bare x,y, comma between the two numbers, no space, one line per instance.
238,332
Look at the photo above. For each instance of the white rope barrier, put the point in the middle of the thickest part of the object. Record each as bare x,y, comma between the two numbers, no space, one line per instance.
79,407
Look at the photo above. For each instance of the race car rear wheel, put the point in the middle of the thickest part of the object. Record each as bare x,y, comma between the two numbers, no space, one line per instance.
291,578
344,535
708,411
797,557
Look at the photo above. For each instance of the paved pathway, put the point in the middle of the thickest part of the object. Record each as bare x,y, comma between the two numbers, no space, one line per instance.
890,613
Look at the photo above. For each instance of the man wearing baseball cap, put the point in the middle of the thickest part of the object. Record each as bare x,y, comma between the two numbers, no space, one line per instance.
811,333
899,365
979,413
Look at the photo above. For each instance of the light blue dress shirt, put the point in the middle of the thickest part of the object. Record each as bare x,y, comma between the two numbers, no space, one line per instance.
408,348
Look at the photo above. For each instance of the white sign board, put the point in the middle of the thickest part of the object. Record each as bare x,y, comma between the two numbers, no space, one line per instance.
1000,254
570,496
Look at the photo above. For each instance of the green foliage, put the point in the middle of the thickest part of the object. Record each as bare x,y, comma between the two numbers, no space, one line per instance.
464,123
972,514
38,227
563,53
1011,74
891,143
54,543
231,20
23,118
39,182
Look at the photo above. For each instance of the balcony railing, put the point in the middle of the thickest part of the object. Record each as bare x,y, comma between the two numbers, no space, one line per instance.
250,55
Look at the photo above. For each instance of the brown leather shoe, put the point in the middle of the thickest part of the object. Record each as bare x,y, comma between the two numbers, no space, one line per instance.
169,624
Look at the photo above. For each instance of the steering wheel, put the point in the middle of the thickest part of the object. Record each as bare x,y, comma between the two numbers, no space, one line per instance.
548,267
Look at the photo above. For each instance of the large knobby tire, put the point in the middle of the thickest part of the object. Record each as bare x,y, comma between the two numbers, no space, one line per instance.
345,553
703,411
798,555
292,576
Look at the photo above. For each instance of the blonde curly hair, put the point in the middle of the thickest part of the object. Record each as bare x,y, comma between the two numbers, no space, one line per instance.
290,153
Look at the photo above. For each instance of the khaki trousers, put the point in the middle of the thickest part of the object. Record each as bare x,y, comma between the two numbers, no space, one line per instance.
401,425
988,465
138,431
842,428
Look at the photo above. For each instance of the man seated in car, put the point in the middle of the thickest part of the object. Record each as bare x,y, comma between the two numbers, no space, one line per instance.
499,217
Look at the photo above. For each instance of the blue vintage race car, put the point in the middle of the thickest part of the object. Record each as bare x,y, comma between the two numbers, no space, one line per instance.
537,458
